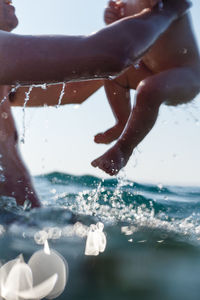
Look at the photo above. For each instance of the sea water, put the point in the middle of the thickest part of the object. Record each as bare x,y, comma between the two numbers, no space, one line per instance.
152,233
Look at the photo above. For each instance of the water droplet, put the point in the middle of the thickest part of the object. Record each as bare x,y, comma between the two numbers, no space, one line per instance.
3,100
137,65
27,205
185,51
44,86
62,93
112,77
22,140
4,115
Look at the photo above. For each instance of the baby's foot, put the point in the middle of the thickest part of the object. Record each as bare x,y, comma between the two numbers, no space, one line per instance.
112,161
109,135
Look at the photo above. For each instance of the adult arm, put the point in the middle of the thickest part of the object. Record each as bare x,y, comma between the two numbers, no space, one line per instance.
44,59
74,92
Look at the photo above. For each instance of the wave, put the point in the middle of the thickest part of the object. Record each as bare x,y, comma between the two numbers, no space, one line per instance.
68,199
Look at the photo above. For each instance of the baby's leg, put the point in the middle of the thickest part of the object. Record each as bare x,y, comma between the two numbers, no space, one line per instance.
15,180
118,95
119,100
175,86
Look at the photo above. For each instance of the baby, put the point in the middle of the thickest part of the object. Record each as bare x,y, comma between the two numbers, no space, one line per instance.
168,73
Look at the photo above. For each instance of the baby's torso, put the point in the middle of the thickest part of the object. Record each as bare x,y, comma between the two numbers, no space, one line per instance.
177,47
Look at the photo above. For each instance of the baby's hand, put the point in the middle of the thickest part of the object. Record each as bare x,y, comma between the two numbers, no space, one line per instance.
114,11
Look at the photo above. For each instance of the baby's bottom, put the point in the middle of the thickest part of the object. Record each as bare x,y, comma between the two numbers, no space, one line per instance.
175,86
15,180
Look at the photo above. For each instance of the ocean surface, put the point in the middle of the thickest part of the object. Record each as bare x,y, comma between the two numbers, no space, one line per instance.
152,233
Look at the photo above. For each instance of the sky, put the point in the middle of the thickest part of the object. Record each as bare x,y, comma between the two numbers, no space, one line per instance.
62,139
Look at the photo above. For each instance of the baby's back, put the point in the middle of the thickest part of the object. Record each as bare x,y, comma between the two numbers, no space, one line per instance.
177,47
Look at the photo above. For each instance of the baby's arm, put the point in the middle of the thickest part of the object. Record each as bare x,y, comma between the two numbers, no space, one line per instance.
74,92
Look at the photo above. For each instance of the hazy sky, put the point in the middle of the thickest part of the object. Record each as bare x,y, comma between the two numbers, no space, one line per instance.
62,139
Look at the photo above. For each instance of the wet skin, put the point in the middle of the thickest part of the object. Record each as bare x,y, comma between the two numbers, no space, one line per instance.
46,59
169,72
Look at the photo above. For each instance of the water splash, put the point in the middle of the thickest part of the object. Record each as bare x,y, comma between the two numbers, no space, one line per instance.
62,93
27,98
3,100
13,90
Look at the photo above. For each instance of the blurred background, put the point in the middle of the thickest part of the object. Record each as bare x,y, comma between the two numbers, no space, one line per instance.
62,139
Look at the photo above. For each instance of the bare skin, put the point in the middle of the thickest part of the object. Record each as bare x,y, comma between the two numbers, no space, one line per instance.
171,76
15,180
74,93
52,59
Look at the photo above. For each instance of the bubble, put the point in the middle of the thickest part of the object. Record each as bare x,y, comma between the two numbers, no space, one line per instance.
44,266
80,230
96,240
40,237
54,233
68,231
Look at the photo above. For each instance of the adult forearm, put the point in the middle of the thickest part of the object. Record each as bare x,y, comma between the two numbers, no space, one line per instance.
37,59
